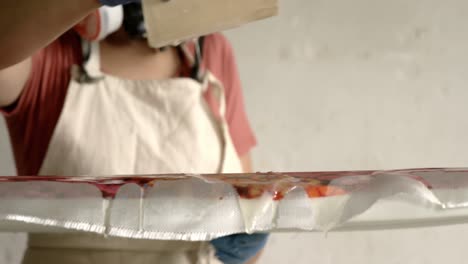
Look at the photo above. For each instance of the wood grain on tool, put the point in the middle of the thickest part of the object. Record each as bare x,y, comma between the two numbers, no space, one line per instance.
170,21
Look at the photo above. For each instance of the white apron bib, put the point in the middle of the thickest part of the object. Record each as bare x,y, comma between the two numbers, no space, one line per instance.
116,126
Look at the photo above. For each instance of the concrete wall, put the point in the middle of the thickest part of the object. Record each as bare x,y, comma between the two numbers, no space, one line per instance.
362,84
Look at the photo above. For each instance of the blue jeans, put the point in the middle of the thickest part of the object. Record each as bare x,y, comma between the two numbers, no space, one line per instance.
239,248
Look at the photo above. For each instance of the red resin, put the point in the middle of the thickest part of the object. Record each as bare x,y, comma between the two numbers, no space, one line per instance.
248,186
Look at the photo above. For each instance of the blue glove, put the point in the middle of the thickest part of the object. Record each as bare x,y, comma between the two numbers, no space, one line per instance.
239,248
117,2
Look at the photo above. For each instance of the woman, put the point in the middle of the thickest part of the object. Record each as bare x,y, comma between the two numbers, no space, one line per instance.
117,106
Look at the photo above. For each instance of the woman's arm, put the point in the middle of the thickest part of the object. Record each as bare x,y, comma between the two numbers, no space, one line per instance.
28,25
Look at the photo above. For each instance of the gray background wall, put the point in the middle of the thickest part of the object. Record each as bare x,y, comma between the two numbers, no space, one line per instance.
363,84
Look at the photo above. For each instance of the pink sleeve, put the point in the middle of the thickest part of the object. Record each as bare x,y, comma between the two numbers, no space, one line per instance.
219,59
31,119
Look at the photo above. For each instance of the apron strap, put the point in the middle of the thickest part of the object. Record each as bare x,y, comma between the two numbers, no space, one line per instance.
92,65
194,62
196,72
90,69
206,78
210,81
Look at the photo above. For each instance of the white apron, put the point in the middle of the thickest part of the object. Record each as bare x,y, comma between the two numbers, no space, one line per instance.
116,126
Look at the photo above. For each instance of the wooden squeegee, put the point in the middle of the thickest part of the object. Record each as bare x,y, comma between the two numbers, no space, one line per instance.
171,21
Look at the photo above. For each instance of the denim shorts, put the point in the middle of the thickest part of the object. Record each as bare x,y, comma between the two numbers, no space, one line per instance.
239,248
